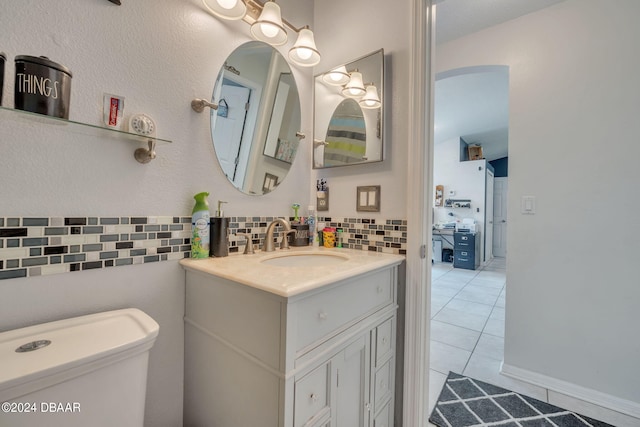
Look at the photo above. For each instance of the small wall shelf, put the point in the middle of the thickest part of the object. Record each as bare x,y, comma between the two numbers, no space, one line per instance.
457,203
83,128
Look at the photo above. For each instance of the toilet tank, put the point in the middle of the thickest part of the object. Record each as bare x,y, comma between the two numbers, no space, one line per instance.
88,371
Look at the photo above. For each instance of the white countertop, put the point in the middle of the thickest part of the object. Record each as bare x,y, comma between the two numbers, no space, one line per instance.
289,281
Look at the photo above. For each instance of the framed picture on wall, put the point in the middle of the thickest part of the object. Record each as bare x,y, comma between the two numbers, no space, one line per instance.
270,182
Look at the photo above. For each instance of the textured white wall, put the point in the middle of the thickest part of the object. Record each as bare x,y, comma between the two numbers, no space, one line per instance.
386,25
572,281
159,54
462,177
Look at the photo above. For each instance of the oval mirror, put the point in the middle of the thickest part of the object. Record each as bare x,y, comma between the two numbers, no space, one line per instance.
352,88
346,140
254,128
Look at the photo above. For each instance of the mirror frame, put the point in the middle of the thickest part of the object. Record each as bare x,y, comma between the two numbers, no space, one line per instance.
320,126
257,163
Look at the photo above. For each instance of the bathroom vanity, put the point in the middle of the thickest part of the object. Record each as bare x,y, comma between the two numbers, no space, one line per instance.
305,337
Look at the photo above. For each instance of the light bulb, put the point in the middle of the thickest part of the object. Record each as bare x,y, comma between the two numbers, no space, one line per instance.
269,30
337,76
226,9
304,53
371,98
227,4
268,27
354,88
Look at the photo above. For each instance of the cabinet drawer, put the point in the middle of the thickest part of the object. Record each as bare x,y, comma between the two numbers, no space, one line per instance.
312,395
323,313
464,241
464,259
384,344
383,387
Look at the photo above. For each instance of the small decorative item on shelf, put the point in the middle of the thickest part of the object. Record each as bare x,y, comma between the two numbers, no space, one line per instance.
439,195
42,86
142,124
112,110
475,152
457,203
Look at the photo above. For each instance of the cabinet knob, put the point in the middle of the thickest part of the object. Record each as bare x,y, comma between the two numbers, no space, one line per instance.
367,406
313,397
384,340
322,315
380,289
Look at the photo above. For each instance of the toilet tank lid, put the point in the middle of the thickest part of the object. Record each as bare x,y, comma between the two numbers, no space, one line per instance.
79,341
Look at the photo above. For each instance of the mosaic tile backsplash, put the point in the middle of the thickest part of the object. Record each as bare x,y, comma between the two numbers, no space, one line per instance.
42,246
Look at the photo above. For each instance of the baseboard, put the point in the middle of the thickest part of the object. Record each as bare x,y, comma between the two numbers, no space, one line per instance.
595,397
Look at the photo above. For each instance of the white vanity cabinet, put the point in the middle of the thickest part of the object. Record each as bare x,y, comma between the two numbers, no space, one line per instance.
323,357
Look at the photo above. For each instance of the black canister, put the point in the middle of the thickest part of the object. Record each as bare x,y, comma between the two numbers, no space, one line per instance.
3,58
219,236
301,235
42,86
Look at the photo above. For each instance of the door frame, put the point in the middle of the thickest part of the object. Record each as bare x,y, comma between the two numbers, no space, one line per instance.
419,200
255,97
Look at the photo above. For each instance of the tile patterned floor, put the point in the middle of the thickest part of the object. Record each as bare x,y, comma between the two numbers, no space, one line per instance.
467,337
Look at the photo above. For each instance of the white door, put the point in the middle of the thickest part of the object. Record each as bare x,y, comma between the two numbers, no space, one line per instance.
500,217
227,134
488,227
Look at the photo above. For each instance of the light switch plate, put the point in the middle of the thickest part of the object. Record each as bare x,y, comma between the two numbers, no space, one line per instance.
528,205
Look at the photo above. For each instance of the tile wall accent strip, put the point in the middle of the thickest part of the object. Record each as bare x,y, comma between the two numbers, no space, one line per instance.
41,246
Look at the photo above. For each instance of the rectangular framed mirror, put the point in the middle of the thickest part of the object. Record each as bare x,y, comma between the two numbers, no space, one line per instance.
349,113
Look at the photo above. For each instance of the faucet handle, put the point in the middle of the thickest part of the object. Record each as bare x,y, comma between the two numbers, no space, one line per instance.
248,249
284,244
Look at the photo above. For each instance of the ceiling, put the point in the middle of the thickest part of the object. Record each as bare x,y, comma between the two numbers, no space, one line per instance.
474,103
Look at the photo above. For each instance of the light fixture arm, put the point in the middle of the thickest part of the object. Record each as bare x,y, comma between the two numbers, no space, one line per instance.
256,6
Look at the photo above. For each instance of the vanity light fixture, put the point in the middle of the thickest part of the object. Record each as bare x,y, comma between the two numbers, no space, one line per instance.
304,51
336,77
232,10
355,87
267,25
370,100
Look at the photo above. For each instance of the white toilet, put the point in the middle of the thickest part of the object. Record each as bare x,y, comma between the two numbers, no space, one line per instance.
85,371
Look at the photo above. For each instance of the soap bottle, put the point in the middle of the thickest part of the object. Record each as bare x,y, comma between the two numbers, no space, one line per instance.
200,227
220,233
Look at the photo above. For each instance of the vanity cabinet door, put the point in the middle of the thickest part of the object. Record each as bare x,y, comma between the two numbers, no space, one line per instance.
352,384
338,390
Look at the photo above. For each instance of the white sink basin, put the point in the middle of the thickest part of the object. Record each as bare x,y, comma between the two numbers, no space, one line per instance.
305,259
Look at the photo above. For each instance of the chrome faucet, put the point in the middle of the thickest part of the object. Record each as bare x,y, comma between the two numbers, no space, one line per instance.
268,239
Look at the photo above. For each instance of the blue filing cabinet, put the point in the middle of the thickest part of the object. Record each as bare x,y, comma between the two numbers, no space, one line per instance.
466,250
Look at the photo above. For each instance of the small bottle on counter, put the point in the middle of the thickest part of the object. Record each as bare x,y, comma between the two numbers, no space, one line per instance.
339,236
311,221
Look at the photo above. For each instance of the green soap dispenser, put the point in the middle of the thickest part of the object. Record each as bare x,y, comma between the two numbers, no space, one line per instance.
200,227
